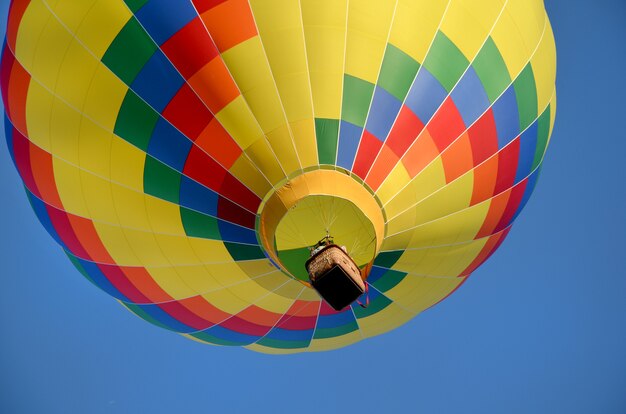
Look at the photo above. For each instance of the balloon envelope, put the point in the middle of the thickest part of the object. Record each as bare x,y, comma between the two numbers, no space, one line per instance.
186,154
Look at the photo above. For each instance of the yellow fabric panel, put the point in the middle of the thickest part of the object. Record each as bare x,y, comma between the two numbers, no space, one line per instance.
326,344
70,13
104,98
510,44
280,28
264,158
544,67
64,133
130,208
428,181
455,228
209,251
369,23
98,198
236,298
440,261
281,33
117,244
127,164
254,268
468,26
177,249
66,176
168,279
164,216
417,293
450,199
529,17
397,179
101,24
387,319
33,24
239,122
325,33
246,172
247,65
280,300
415,25
50,53
283,145
94,149
304,131
39,116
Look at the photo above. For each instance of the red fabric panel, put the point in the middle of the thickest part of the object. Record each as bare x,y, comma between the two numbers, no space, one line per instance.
190,48
446,125
187,113
483,137
507,166
368,149
404,132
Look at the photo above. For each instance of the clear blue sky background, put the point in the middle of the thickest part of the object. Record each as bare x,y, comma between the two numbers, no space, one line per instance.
541,328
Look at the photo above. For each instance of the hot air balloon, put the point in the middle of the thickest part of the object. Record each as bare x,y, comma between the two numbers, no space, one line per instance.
186,155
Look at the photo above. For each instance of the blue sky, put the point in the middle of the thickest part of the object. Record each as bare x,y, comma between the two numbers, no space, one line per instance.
540,328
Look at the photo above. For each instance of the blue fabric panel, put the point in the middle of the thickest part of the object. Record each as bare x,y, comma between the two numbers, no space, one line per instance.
164,318
530,187
470,97
290,335
375,274
383,113
349,138
338,319
528,144
231,336
426,95
8,135
506,116
100,280
168,145
197,197
157,82
39,207
237,234
162,18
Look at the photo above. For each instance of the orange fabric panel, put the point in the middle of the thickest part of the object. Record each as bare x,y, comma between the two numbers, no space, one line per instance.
422,152
387,159
496,209
214,85
216,142
142,280
88,237
485,176
230,23
41,165
457,159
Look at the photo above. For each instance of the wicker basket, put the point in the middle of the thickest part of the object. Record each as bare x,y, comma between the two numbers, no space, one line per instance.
335,276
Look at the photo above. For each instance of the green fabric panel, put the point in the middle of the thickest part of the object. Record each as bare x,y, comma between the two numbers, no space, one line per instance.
375,306
387,259
135,5
129,51
143,315
244,251
357,95
275,343
135,121
161,181
445,61
526,93
199,225
203,336
397,72
294,260
492,70
337,331
80,268
389,280
327,133
543,131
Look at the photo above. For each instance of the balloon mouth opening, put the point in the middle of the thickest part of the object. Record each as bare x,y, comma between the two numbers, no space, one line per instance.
305,208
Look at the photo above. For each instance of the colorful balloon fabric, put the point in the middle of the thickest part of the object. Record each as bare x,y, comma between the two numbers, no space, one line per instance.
185,154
